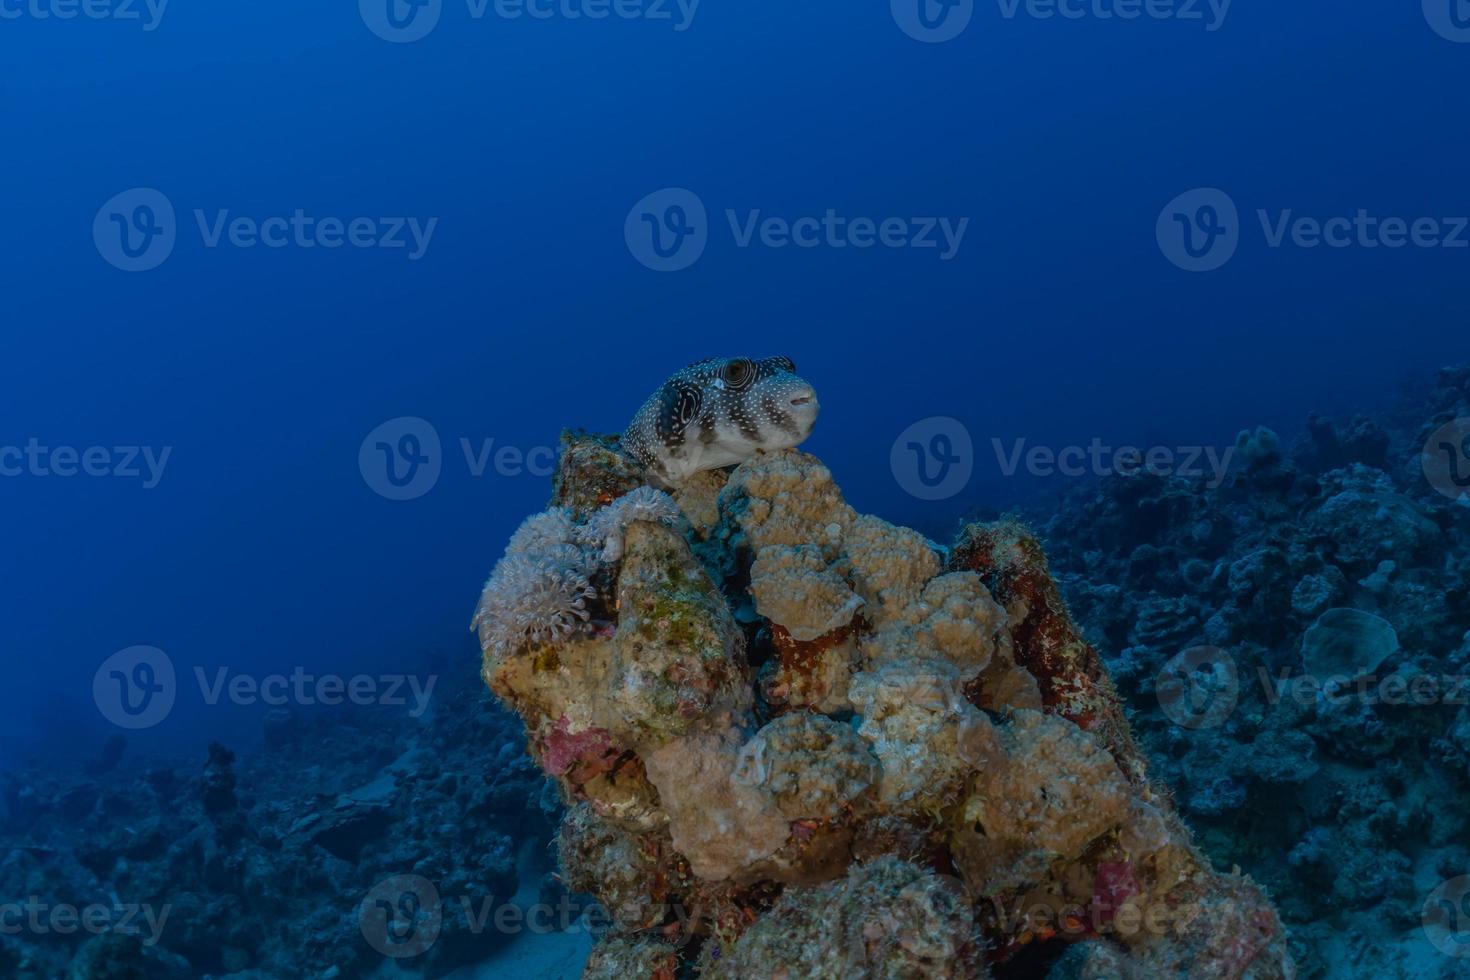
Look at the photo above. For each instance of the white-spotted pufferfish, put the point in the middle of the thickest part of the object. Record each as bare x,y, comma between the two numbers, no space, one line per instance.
719,412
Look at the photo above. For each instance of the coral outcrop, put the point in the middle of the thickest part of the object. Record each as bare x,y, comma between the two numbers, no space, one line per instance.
797,741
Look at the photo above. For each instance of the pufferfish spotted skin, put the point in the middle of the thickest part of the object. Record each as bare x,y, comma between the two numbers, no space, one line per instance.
719,412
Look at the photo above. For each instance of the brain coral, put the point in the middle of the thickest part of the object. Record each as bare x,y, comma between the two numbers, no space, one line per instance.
799,742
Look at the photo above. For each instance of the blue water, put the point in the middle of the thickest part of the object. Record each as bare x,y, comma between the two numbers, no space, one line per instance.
261,370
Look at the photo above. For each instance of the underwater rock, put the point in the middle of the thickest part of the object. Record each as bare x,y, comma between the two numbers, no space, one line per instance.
268,886
783,727
218,788
111,754
887,918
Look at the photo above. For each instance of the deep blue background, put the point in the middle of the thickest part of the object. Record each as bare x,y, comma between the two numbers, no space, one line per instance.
1059,321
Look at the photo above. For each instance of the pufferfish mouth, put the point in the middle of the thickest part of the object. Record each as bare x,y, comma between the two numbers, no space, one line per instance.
802,396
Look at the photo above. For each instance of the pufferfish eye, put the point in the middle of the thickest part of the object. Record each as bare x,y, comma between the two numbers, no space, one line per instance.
738,373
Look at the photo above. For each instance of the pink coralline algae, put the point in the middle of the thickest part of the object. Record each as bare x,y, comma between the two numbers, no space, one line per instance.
562,750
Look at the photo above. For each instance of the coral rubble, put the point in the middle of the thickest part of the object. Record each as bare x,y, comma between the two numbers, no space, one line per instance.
797,741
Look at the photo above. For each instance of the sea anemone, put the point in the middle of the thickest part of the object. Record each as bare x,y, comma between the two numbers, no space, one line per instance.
542,532
533,599
605,530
